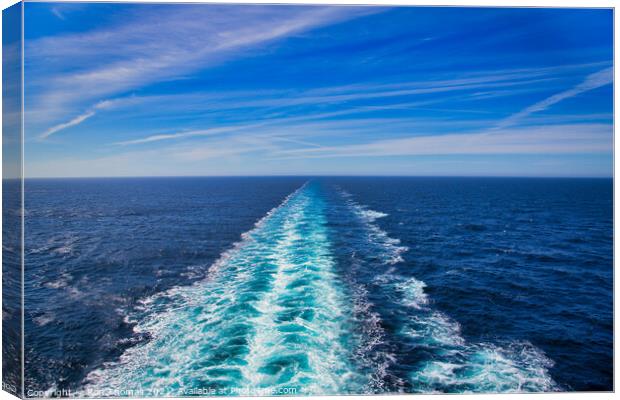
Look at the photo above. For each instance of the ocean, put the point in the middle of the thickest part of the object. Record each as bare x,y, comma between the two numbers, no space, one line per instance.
318,285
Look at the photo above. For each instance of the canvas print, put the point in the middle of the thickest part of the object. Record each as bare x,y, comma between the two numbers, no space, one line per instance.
265,200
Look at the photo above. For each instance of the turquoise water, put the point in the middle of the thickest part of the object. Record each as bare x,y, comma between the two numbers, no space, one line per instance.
329,285
276,316
271,316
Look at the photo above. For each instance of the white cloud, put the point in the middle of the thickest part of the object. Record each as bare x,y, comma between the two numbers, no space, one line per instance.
563,139
83,117
179,135
56,11
75,121
159,44
321,96
592,81
263,153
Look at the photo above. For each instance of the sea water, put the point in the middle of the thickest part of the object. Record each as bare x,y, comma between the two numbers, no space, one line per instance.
296,285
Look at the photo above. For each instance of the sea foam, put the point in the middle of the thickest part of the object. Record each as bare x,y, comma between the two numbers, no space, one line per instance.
270,316
457,365
273,314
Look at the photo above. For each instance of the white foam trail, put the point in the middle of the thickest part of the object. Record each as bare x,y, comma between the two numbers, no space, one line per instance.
468,367
459,366
487,368
372,215
223,285
320,334
372,335
371,352
412,291
392,249
270,315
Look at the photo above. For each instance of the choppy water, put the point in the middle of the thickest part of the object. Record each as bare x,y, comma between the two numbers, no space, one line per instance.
319,286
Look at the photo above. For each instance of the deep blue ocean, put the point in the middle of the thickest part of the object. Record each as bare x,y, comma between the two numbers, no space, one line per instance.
296,285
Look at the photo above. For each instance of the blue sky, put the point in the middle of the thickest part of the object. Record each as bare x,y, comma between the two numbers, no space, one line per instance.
172,89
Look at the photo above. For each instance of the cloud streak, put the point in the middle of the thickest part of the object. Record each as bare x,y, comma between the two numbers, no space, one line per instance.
559,139
180,135
102,105
322,96
592,81
329,95
75,121
156,46
217,89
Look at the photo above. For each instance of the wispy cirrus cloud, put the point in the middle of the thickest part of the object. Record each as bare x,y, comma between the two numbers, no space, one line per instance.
185,134
225,89
75,121
320,123
322,96
593,81
154,46
557,139
266,101
102,105
282,149
481,85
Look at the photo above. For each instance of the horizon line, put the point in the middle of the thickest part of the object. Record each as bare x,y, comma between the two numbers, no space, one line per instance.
320,176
